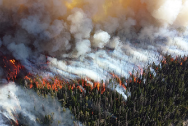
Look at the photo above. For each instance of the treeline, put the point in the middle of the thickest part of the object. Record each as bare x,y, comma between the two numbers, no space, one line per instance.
157,98
161,99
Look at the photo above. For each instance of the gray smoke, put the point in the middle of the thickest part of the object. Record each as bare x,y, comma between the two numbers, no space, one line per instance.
85,30
88,38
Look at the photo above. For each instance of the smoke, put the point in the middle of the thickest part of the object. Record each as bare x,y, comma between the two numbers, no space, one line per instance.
92,39
83,44
28,108
100,39
81,25
4,121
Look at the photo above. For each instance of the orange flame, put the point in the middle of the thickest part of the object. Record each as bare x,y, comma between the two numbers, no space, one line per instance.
185,58
78,87
124,87
97,84
12,61
164,61
120,82
44,83
58,84
31,85
171,59
14,68
17,124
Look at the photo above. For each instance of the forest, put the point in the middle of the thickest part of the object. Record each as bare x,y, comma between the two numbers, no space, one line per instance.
159,96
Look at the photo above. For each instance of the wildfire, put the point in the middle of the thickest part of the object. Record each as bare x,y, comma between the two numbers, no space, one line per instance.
185,58
135,79
31,85
141,70
12,61
57,84
171,59
119,80
78,87
176,60
103,88
17,124
45,83
164,61
12,67
97,84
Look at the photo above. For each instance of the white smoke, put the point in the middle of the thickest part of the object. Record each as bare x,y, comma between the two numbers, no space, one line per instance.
100,39
83,47
114,43
93,38
81,26
168,11
79,71
16,100
182,17
3,121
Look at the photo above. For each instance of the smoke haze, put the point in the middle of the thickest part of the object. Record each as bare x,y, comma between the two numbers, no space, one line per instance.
26,106
89,38
80,33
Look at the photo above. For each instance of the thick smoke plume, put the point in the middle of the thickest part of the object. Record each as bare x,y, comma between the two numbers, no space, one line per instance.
79,33
92,38
27,107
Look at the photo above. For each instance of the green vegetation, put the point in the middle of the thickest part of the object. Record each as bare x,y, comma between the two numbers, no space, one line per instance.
155,100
